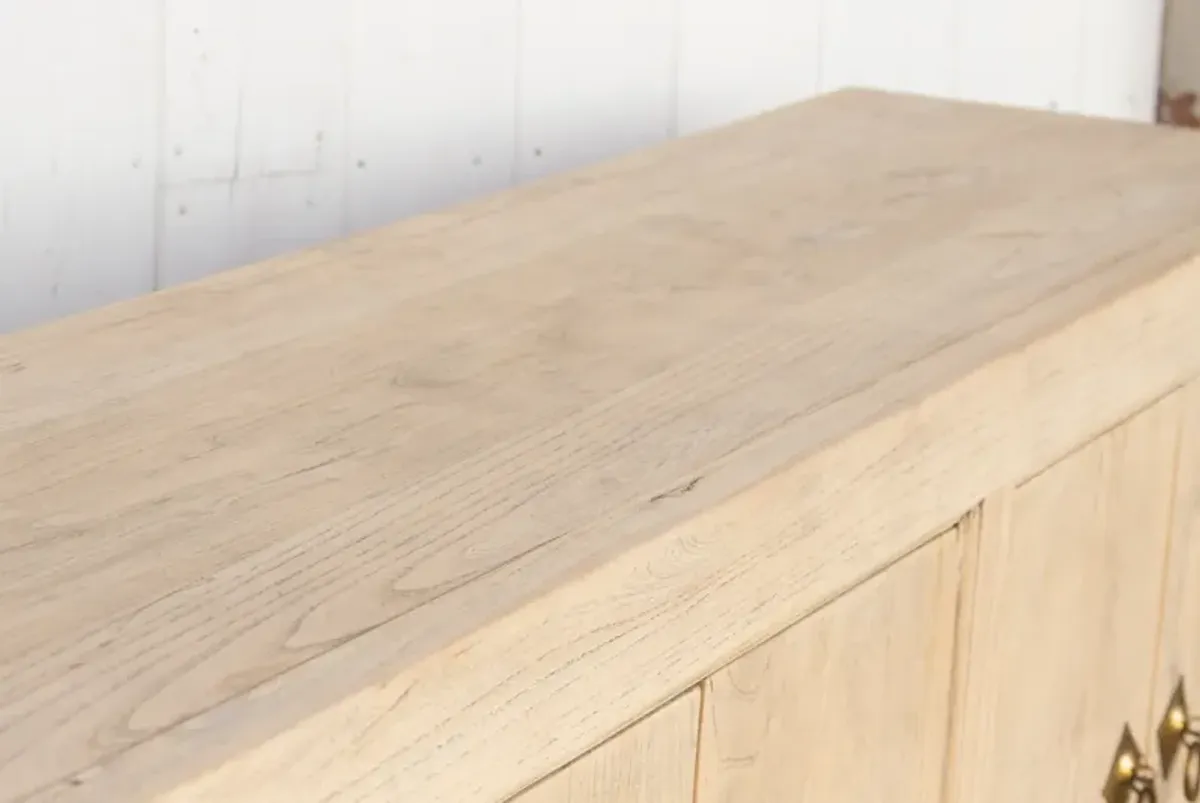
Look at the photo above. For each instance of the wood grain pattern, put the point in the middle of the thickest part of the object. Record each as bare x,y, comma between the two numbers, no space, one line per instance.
1063,621
653,761
850,704
373,522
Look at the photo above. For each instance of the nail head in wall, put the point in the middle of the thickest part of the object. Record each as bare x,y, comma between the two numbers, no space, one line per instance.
361,164
196,31
179,150
477,161
182,210
537,151
320,136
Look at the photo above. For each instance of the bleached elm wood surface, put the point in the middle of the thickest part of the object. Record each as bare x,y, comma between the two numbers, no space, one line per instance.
425,514
654,761
1061,636
1179,654
850,704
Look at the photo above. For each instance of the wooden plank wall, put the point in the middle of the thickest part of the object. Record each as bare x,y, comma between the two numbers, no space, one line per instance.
150,142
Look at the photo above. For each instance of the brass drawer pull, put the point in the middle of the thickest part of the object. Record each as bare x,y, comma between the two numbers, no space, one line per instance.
1130,777
1179,728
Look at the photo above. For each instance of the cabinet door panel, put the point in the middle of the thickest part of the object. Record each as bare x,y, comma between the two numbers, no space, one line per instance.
1058,646
1180,656
849,704
654,761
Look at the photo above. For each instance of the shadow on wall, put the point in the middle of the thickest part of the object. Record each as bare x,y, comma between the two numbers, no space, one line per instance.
161,142
384,177
70,244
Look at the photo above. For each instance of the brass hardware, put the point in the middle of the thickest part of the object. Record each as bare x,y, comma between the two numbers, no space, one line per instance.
1130,777
1179,728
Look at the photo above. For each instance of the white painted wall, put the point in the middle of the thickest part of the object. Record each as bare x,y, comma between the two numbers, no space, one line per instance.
149,142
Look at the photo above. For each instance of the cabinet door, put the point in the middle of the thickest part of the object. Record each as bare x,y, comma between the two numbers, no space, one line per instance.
850,704
1180,657
653,761
1058,645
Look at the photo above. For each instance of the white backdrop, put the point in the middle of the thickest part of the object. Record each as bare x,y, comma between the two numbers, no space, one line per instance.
149,142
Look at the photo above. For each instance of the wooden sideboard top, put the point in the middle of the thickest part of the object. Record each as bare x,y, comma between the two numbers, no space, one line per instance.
422,514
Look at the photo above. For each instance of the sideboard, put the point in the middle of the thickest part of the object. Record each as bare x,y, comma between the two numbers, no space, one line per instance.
849,452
